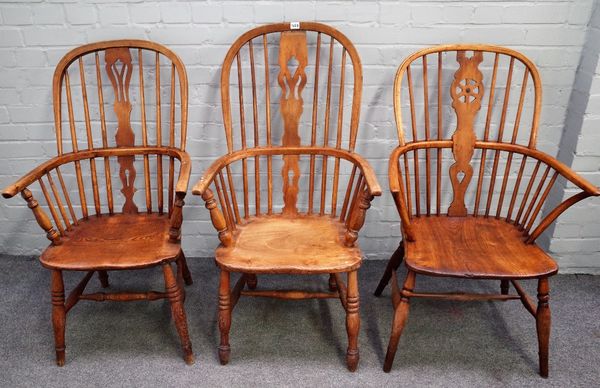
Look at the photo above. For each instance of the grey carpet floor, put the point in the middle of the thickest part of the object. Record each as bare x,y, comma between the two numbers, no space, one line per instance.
292,343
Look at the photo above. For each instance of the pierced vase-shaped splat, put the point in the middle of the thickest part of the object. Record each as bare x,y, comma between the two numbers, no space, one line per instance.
292,82
466,92
119,69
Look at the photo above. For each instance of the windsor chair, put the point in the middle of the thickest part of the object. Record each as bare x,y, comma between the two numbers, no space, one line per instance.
102,238
310,221
453,228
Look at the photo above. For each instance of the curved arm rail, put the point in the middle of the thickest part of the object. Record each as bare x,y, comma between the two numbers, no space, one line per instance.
398,193
20,186
373,186
42,169
360,204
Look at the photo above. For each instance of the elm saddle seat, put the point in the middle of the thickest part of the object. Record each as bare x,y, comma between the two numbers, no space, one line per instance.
305,244
445,247
127,241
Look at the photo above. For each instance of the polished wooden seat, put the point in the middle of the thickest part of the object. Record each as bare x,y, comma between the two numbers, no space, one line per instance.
475,247
472,191
110,146
275,244
290,195
127,241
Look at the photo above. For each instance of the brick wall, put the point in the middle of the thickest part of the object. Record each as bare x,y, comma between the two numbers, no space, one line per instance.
34,35
575,238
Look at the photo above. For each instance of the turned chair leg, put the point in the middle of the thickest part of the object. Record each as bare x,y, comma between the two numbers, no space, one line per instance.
103,276
57,289
179,278
224,316
352,321
174,293
251,281
542,320
187,275
400,317
332,283
392,265
504,287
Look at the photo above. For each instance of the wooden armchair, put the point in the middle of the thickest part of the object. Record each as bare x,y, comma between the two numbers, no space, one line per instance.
472,191
307,221
104,95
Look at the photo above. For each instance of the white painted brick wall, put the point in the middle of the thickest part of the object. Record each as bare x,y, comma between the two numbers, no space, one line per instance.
575,238
35,34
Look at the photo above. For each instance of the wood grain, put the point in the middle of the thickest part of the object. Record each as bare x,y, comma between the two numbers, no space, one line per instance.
466,91
277,244
120,78
475,248
292,45
126,241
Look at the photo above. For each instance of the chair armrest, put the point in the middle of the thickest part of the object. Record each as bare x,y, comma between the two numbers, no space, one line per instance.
558,166
58,161
588,190
181,188
32,176
20,186
211,172
561,169
185,170
355,220
371,180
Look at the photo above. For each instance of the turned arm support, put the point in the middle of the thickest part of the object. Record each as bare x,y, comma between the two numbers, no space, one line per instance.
180,192
356,218
202,188
217,218
176,217
41,217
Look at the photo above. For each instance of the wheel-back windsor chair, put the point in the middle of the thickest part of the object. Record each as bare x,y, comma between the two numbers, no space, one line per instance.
102,90
470,188
310,220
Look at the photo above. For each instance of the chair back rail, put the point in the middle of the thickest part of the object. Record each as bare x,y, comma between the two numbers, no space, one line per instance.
124,93
463,95
290,87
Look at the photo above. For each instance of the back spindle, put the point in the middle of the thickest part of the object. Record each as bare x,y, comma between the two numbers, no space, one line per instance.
297,124
159,158
144,133
59,203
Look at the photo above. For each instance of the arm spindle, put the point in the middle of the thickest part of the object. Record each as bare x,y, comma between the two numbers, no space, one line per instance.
357,218
41,217
177,218
217,219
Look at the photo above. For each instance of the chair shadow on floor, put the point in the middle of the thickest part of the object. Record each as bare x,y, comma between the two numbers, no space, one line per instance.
421,334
